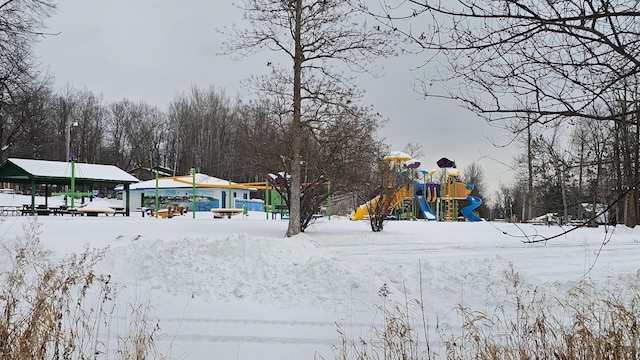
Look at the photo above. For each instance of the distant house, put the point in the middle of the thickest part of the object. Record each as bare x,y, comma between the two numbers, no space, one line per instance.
177,192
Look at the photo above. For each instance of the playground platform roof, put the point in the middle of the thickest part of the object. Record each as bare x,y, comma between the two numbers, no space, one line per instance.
57,172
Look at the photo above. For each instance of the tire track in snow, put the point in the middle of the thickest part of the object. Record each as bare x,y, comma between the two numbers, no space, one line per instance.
262,331
258,321
248,339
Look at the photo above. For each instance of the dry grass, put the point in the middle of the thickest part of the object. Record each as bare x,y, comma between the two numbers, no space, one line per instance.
586,324
397,338
62,309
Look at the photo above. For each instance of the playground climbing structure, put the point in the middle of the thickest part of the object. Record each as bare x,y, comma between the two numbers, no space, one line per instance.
410,198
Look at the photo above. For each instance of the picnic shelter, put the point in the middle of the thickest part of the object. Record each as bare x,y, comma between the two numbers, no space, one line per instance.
45,172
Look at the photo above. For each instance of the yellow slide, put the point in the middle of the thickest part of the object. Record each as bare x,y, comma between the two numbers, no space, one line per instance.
362,211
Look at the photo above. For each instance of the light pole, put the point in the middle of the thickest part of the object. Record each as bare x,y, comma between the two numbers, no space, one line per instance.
68,139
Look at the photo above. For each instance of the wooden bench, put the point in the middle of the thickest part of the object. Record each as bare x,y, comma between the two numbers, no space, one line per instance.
42,210
88,211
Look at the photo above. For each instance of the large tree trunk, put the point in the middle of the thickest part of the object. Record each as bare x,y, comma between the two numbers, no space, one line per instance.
296,127
530,210
631,204
618,171
635,197
630,209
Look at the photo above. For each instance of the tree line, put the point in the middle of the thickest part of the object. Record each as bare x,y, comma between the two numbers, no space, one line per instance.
202,129
588,172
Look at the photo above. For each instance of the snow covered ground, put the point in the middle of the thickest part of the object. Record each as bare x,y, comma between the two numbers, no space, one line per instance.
238,289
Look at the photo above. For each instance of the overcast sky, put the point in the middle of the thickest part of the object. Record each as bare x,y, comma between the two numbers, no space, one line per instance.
152,50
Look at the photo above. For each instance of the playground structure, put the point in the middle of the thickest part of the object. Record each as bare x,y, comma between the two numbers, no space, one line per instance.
406,197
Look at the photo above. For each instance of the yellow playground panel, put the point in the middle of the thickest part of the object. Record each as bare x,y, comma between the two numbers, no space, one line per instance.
399,196
451,192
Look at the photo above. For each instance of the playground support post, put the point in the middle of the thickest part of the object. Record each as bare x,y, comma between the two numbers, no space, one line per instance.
424,189
266,198
73,181
443,191
413,207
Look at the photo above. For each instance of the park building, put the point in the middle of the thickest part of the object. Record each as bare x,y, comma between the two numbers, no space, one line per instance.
178,192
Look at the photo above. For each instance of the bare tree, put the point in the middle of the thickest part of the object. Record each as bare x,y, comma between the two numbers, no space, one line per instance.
340,155
592,141
337,160
555,59
473,174
201,132
261,140
415,150
559,162
311,35
21,22
30,120
145,133
627,131
384,198
119,115
529,159
505,201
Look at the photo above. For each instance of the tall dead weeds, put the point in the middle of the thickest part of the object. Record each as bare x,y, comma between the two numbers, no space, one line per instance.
60,309
587,323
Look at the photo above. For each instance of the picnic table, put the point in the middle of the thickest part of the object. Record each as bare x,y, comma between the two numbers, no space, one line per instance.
95,212
95,208
222,212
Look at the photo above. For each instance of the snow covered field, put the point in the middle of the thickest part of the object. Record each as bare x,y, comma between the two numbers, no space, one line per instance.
238,289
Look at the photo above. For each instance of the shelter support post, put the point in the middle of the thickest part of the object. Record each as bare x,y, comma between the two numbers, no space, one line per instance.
127,205
33,196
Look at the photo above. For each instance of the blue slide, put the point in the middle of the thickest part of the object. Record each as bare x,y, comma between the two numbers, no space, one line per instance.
468,211
424,206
